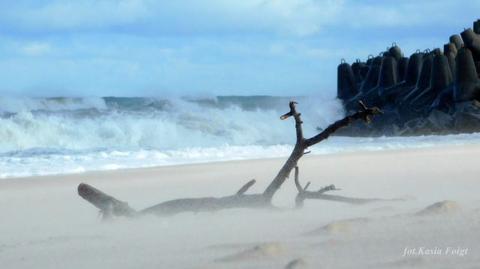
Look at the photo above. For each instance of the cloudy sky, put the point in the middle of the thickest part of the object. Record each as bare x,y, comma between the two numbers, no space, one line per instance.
195,47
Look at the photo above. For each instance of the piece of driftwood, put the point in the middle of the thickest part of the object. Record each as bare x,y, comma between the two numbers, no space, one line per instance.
110,206
304,194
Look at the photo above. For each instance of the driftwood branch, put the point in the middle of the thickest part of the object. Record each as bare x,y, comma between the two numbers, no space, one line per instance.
302,144
303,194
245,187
364,114
298,120
110,206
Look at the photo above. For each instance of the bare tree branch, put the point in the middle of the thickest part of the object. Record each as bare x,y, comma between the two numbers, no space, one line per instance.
298,120
344,199
364,114
111,206
108,205
245,187
303,194
302,144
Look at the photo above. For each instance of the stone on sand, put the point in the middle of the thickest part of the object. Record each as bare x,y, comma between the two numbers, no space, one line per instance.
258,252
339,227
442,207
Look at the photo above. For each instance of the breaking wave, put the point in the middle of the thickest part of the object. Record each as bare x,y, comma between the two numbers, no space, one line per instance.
147,123
34,131
41,136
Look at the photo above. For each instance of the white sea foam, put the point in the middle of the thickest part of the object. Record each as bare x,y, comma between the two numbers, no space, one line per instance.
40,162
71,135
136,124
19,104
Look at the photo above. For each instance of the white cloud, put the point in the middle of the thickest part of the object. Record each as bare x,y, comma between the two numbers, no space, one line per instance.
298,17
223,45
70,14
36,49
287,17
413,13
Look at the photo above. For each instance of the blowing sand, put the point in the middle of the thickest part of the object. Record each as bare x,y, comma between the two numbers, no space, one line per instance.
45,224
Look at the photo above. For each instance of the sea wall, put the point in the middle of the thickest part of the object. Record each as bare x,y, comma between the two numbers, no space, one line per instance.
430,92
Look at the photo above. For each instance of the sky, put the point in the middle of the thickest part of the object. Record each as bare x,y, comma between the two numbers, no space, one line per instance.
207,47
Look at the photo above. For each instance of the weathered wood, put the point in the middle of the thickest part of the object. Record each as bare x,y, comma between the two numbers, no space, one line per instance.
303,194
302,144
348,200
245,187
111,206
208,204
108,205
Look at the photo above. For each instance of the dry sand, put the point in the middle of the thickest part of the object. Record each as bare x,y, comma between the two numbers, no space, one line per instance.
45,224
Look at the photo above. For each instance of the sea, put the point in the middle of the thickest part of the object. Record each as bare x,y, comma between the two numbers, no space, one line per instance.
45,136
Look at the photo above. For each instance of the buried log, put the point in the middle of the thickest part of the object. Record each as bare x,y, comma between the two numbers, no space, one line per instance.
304,194
110,206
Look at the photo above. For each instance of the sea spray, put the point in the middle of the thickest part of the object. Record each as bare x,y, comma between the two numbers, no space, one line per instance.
41,136
149,123
62,135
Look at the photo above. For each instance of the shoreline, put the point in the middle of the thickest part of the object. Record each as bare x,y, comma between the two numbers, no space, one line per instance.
217,162
46,165
55,177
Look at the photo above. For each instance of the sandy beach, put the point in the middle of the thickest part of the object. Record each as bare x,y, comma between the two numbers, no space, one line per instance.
45,224
257,134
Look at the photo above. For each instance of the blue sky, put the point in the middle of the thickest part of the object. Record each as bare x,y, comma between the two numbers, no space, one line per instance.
197,47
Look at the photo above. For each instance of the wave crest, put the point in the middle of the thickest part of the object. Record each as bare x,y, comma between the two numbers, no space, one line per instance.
149,123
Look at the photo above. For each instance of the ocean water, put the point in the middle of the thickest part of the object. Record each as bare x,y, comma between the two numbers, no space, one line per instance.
41,136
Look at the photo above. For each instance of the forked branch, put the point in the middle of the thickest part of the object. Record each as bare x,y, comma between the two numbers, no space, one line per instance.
303,194
364,114
302,144
245,187
110,206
